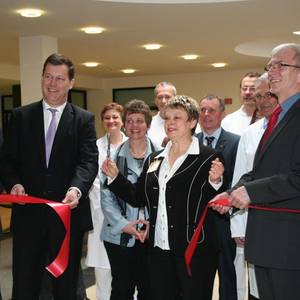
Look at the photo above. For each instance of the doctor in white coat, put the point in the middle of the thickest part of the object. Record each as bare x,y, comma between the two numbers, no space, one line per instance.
111,116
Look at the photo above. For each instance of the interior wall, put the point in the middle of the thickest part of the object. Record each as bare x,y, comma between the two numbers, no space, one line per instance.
224,84
99,91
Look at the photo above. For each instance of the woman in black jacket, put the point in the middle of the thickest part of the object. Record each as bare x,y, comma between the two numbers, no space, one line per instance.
176,184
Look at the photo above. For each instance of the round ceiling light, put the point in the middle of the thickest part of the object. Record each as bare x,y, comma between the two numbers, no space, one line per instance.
219,65
91,64
93,30
190,56
30,12
152,46
128,71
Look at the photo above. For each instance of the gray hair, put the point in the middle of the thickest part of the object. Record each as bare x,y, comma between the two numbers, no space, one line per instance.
165,84
212,97
292,46
262,78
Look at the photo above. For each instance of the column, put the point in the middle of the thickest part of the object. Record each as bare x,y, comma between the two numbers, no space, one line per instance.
33,51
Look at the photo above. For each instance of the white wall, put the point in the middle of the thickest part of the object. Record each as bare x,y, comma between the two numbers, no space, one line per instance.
222,83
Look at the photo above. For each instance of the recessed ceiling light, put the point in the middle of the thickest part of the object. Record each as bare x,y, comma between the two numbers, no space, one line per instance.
219,65
93,30
128,71
91,64
30,12
152,46
296,32
190,56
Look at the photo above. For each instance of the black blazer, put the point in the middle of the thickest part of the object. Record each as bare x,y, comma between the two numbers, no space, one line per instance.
187,193
227,144
73,161
271,237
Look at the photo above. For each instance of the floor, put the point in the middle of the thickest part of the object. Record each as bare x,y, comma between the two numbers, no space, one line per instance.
5,264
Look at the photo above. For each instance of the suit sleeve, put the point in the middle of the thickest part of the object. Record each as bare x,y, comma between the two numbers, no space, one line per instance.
278,188
87,162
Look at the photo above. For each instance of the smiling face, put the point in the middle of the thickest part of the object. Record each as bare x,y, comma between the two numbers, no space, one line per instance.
135,126
248,90
163,94
265,102
56,84
177,125
284,81
112,121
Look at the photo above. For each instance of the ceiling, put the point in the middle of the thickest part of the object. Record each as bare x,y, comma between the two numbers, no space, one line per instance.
212,30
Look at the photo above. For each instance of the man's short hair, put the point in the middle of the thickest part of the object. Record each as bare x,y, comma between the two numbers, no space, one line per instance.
251,75
57,59
165,84
211,97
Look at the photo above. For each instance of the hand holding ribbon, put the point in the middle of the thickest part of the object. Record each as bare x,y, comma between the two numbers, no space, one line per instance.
222,203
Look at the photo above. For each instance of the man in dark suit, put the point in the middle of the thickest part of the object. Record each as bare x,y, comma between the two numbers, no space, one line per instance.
272,242
65,175
212,111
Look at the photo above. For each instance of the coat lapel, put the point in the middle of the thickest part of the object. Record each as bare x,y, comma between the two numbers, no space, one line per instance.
277,130
221,143
64,128
37,130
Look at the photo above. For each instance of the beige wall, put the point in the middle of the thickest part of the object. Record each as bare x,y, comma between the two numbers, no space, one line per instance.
222,83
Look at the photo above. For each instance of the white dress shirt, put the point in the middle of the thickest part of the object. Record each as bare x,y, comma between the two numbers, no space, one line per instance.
236,122
156,132
48,114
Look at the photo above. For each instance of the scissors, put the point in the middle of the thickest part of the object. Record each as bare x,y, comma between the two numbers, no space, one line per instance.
108,147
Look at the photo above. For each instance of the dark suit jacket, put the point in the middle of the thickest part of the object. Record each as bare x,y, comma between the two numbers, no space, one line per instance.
272,238
187,193
73,161
227,144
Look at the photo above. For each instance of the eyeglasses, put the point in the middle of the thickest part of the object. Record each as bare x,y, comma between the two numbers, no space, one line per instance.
266,96
278,66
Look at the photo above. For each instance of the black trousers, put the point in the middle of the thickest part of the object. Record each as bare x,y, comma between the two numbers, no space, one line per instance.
277,284
46,291
31,248
129,271
226,269
169,279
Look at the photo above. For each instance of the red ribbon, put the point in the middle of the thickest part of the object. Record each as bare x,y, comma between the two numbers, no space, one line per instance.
189,252
60,263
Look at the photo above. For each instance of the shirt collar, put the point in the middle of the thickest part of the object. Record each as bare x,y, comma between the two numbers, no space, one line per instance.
286,105
215,134
60,108
193,148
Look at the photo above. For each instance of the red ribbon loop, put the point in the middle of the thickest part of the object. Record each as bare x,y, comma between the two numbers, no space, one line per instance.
60,263
189,252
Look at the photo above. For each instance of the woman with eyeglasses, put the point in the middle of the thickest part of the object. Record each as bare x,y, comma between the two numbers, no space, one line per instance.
176,184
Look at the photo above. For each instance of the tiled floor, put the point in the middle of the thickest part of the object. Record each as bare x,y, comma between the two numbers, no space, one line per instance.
6,280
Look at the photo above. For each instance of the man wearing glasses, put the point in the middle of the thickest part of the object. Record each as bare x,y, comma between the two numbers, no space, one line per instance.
272,242
240,119
265,103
